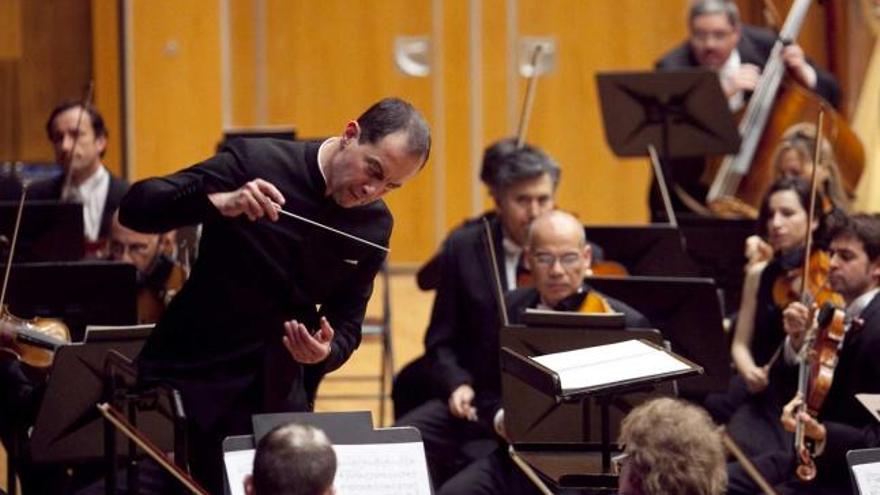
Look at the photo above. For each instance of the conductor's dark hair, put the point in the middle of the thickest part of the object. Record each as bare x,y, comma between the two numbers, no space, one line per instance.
864,227
93,113
504,165
703,7
391,115
294,459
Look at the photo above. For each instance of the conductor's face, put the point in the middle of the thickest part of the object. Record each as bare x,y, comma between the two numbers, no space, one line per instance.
360,173
558,256
713,38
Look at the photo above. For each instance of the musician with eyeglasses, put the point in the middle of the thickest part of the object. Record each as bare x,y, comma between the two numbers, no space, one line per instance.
719,41
559,257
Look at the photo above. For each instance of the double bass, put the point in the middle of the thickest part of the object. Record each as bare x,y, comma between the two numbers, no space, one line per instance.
739,181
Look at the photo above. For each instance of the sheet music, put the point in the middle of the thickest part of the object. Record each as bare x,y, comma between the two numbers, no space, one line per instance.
871,403
610,363
382,469
368,469
239,464
868,478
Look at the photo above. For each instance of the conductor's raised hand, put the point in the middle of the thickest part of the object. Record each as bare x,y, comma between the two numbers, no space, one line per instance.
461,403
305,347
256,199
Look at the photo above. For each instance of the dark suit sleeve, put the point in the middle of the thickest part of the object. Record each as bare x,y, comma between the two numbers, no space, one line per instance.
164,203
345,311
827,86
443,331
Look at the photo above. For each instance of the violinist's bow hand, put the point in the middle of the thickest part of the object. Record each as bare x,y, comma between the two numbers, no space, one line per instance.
304,347
256,199
795,320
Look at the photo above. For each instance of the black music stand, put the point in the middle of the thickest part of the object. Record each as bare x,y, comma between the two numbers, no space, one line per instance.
677,114
342,428
68,427
649,250
688,313
50,230
533,393
80,293
856,459
682,114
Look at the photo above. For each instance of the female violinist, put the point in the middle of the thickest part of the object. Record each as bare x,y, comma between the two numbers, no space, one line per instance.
762,385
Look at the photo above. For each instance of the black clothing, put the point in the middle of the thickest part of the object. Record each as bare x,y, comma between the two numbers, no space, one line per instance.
52,188
451,443
754,47
463,318
848,424
220,339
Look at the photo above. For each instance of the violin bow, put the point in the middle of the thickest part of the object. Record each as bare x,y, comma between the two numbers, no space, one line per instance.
529,100
85,104
24,188
121,423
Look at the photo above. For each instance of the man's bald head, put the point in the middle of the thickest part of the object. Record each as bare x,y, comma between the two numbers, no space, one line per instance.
558,255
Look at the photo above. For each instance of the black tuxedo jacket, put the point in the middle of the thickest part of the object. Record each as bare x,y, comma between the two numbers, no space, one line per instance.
848,424
219,340
51,189
464,321
754,47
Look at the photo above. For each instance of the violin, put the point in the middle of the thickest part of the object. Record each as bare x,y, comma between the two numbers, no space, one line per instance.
786,287
815,375
32,341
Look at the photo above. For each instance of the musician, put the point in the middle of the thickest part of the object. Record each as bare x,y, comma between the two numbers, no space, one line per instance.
763,384
719,41
464,320
843,423
559,257
293,459
794,155
272,304
671,447
159,277
90,182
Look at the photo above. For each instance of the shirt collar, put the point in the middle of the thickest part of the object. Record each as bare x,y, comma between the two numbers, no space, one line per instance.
856,307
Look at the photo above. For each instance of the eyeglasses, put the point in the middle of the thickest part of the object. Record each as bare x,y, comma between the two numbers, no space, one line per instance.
547,260
703,36
118,249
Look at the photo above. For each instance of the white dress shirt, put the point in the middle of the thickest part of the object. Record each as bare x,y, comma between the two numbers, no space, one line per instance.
92,193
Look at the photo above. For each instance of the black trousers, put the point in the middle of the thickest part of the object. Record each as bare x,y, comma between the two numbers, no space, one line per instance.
450,443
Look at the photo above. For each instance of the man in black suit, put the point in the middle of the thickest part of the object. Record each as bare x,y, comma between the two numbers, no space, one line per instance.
738,53
437,392
843,423
85,178
273,304
559,257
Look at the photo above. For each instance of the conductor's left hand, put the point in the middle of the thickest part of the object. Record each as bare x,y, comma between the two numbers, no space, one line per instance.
304,347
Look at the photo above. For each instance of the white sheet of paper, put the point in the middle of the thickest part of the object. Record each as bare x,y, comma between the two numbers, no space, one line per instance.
610,363
871,403
369,469
868,478
383,469
239,464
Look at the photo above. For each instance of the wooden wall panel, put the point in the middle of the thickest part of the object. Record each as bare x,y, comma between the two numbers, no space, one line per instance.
55,65
591,37
177,109
327,62
10,34
105,52
242,27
